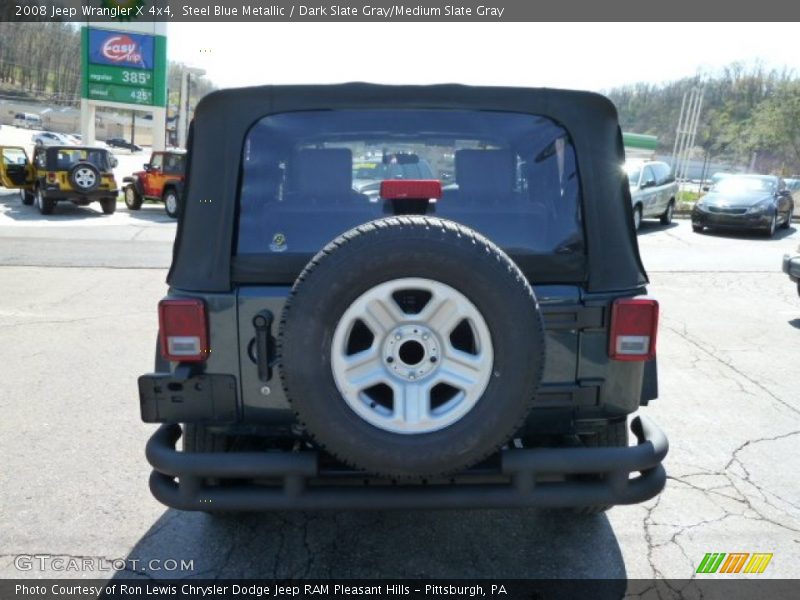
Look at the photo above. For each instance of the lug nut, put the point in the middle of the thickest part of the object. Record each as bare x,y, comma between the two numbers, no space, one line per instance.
433,359
265,391
389,359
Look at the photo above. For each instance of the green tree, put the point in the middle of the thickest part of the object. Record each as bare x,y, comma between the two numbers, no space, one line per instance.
726,129
775,125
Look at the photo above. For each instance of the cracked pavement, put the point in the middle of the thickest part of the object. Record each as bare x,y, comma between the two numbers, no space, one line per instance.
73,482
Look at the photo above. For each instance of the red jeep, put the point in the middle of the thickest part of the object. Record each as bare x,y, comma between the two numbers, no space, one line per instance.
161,180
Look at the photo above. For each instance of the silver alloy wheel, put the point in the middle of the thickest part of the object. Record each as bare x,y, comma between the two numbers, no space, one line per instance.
39,202
413,376
637,218
773,224
171,203
22,195
85,177
129,196
670,211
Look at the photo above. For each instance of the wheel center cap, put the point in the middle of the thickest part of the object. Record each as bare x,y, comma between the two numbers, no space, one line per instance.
411,352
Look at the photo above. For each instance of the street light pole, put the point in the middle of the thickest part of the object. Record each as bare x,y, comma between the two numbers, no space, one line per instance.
182,121
184,105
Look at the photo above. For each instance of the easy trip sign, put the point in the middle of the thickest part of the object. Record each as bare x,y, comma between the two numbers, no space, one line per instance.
120,49
124,67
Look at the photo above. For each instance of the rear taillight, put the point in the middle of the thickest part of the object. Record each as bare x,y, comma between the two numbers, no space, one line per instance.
51,177
634,324
183,330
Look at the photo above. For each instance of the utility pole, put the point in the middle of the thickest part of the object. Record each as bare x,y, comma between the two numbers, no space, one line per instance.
182,118
704,172
686,131
678,131
184,105
693,131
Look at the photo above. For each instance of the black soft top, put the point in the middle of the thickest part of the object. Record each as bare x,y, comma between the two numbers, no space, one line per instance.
202,254
53,149
51,154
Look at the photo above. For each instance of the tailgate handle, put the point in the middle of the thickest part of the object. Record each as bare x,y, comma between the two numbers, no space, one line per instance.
265,344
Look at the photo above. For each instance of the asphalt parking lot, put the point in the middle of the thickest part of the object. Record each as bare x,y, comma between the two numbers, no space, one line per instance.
78,323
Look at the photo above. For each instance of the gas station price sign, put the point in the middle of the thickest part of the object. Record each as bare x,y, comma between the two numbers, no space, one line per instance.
124,67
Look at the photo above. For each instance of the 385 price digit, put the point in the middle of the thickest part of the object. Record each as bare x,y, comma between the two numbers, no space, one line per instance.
136,77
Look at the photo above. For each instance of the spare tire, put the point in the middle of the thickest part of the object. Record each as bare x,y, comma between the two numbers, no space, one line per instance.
84,177
411,347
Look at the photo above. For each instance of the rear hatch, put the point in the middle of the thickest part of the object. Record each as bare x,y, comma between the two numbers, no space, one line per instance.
307,177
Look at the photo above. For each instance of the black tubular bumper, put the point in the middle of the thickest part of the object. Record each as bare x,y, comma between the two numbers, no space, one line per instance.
298,483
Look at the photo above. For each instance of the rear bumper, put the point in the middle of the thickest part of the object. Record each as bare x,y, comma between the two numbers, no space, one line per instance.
294,480
56,193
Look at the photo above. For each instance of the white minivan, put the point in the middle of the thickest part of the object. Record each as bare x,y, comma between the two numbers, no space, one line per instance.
653,191
28,120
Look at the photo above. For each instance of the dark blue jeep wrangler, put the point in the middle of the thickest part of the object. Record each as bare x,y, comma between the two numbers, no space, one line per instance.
471,333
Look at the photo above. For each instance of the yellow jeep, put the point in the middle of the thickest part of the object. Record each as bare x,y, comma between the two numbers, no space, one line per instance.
75,173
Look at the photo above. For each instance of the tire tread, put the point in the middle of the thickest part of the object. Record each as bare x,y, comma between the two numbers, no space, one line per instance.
615,435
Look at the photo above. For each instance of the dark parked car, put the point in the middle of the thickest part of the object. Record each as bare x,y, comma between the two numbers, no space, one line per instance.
760,202
123,143
481,346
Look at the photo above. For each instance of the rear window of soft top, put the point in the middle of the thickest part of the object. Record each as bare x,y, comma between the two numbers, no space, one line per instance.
308,177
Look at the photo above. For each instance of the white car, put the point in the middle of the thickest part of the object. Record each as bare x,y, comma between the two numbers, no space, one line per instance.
50,138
